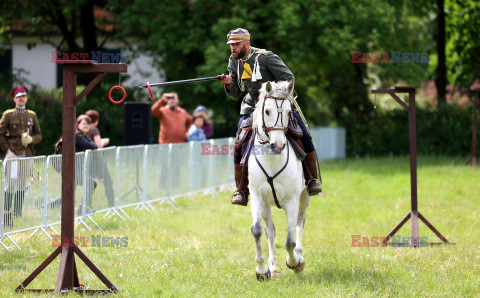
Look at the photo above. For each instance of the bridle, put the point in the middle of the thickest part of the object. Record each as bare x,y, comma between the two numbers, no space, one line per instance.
268,129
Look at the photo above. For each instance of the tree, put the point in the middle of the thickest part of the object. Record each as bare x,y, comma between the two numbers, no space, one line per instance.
441,79
463,46
50,18
315,38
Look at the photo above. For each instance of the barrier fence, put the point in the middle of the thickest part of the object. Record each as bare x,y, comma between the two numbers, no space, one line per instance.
111,179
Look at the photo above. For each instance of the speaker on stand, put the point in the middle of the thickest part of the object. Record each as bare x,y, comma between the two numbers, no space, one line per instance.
138,123
138,131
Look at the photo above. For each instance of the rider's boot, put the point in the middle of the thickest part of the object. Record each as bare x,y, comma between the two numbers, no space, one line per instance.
240,196
310,174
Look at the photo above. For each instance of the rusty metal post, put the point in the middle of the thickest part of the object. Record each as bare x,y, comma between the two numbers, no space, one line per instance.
67,278
413,214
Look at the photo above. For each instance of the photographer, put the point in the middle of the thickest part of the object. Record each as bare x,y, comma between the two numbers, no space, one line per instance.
174,120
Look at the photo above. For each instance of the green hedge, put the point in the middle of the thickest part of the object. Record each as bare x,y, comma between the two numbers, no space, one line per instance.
445,131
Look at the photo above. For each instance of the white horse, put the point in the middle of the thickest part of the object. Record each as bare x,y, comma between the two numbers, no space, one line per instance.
273,156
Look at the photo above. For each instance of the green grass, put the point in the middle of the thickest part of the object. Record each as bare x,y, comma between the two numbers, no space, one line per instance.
204,247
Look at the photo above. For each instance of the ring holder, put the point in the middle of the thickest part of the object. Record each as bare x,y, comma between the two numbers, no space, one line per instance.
110,94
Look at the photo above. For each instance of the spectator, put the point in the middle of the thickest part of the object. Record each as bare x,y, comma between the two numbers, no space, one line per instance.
94,133
195,133
207,126
19,131
82,143
100,167
174,120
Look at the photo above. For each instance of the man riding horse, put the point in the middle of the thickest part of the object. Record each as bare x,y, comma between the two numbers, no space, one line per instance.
248,67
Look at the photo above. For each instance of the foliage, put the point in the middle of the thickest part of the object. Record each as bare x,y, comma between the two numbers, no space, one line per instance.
463,29
314,38
446,131
71,19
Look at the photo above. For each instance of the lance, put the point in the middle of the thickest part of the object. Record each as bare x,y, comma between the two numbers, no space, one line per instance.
148,85
180,82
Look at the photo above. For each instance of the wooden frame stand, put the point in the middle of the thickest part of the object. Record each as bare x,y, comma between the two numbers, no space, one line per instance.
67,278
413,215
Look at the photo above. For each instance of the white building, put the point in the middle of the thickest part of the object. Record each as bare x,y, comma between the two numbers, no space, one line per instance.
34,64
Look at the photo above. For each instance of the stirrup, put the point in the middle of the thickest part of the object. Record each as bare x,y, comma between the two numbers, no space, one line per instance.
313,187
234,199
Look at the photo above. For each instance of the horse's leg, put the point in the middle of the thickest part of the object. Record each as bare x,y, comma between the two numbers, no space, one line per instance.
291,210
270,232
304,202
256,207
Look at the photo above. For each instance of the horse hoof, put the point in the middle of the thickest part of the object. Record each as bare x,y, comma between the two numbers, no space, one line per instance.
273,273
299,267
262,277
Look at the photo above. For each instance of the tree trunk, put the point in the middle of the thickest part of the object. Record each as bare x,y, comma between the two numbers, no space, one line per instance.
87,23
441,79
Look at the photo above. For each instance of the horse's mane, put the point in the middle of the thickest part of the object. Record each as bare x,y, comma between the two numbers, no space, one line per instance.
281,86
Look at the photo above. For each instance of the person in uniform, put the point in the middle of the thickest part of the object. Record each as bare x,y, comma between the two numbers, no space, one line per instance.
248,67
19,132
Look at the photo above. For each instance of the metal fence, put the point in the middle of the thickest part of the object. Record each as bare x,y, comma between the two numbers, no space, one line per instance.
110,179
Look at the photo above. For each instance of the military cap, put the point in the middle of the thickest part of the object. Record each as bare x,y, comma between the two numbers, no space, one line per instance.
238,35
19,90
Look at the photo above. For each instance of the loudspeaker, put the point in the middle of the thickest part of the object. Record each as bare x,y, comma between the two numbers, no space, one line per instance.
138,123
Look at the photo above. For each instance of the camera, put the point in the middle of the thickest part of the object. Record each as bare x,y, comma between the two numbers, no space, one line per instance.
170,97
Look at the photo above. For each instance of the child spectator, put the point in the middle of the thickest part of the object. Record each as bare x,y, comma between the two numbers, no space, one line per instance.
195,133
207,126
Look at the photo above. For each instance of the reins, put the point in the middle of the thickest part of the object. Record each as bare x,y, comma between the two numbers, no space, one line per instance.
266,130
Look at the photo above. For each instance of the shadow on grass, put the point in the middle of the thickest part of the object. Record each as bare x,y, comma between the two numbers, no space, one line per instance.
359,278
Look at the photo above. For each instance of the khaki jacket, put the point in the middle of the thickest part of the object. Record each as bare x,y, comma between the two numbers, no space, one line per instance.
13,123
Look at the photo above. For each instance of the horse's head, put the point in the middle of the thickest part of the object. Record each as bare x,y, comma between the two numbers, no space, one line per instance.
272,113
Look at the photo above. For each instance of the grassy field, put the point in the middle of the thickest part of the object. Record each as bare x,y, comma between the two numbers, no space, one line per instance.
204,247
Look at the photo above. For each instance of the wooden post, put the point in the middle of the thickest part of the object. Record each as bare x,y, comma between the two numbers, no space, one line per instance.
67,278
413,215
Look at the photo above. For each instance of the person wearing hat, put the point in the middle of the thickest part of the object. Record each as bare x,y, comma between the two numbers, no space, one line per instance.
207,126
19,132
248,67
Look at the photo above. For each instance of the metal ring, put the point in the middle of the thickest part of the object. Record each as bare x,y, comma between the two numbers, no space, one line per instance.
110,94
149,90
